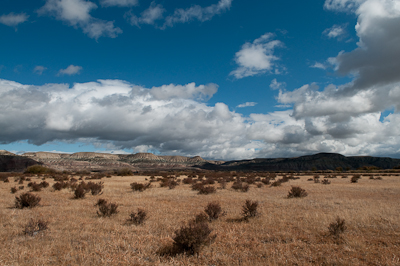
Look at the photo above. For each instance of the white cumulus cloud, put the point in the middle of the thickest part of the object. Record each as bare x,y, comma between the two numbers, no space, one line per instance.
257,57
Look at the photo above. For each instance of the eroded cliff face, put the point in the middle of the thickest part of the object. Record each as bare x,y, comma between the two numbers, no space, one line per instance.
14,163
92,161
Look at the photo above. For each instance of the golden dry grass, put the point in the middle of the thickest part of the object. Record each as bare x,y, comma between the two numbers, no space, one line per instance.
288,232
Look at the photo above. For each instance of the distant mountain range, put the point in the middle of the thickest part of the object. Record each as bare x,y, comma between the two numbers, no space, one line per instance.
147,161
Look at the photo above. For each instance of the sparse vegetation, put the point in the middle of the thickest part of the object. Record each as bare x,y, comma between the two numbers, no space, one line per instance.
337,227
35,226
139,186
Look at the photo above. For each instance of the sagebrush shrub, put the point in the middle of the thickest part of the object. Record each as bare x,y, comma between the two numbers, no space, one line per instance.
205,190
35,226
337,227
192,237
201,218
138,217
124,172
14,190
214,211
26,200
106,209
139,187
79,192
249,209
325,182
276,183
297,192
354,178
95,188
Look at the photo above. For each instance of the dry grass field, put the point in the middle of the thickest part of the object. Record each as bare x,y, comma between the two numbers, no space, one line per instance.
287,232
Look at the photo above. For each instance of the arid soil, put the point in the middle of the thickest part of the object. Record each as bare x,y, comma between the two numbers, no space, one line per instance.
288,231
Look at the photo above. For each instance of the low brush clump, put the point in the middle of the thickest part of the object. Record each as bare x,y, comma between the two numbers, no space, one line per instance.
297,192
337,227
191,238
106,209
214,211
139,186
38,169
138,217
249,209
35,226
26,200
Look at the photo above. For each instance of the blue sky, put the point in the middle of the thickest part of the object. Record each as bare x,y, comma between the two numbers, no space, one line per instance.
220,79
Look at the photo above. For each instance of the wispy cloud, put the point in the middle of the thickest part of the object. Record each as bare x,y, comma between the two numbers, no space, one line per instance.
275,85
336,31
197,12
119,3
70,70
13,20
318,65
257,57
77,14
247,104
149,16
39,70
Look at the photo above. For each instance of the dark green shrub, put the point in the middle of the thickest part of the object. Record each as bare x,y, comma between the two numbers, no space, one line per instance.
38,169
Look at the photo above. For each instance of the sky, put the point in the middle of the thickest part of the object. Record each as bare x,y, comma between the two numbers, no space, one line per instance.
221,79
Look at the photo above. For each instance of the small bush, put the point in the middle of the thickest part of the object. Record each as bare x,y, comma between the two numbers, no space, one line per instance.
79,192
106,209
325,182
14,190
197,186
240,186
249,209
297,192
191,238
205,190
201,218
26,200
138,217
35,186
95,188
276,183
35,226
139,187
354,178
337,228
214,211
6,180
